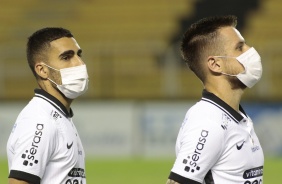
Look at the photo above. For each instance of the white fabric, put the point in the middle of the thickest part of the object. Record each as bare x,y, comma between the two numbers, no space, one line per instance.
211,139
38,144
74,80
253,69
251,61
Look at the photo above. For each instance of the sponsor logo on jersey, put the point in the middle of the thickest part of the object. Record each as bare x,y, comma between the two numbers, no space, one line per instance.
255,148
77,172
192,160
69,145
239,146
75,181
76,175
253,173
29,155
254,182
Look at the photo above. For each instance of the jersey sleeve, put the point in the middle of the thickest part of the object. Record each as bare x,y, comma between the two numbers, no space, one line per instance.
30,147
200,143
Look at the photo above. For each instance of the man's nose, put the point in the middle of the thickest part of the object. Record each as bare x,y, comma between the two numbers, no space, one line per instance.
79,61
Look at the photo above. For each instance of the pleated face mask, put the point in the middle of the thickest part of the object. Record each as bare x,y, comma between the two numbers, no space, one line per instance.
74,81
251,61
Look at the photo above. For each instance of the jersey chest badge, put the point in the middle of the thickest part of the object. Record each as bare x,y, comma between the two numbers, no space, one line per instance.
225,121
55,115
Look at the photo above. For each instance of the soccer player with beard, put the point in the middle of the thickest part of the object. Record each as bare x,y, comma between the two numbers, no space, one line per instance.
44,145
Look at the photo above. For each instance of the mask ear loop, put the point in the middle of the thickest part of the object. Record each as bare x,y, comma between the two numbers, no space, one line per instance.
53,69
232,75
50,67
228,74
52,81
224,57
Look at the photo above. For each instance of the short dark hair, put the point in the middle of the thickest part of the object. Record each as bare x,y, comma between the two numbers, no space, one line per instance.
202,36
39,42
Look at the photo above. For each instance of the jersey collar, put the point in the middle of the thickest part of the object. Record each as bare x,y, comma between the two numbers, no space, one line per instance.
213,99
53,101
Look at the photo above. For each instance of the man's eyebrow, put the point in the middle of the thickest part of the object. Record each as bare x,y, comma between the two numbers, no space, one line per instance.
66,53
240,43
79,52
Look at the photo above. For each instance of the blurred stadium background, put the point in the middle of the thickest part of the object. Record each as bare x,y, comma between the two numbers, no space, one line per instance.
139,88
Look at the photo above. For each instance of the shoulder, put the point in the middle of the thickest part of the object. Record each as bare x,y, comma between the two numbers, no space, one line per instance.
35,116
38,108
203,113
33,126
204,108
203,120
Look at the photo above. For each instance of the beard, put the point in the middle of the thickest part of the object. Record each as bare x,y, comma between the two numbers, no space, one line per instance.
56,77
235,83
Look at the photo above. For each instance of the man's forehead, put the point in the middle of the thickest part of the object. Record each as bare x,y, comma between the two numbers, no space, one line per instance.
64,43
231,34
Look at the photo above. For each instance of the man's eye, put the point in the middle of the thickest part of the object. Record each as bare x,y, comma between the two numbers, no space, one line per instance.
65,58
240,48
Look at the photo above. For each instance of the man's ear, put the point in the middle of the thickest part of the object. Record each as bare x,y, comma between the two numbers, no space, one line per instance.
214,64
41,70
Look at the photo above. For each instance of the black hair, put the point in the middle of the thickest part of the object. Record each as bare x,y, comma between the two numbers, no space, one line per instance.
39,42
202,36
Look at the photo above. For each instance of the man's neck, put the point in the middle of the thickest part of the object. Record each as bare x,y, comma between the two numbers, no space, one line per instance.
54,92
230,96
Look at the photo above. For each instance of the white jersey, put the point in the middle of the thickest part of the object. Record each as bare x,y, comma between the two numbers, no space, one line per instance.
44,146
217,145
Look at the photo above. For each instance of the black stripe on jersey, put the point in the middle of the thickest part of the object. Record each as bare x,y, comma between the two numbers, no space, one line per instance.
213,99
53,101
208,178
20,175
180,179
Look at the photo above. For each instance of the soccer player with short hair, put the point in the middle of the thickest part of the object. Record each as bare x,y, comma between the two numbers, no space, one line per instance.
217,143
44,145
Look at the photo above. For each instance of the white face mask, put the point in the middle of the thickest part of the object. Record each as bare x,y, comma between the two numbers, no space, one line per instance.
253,69
74,81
